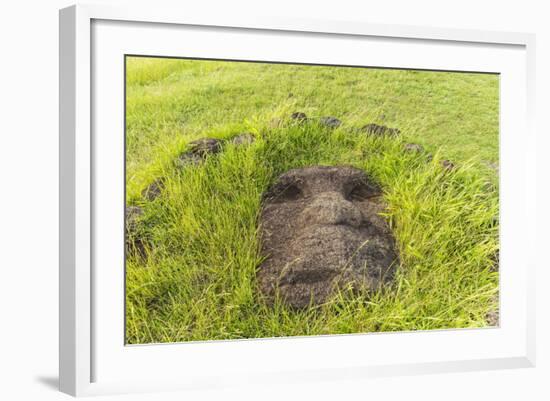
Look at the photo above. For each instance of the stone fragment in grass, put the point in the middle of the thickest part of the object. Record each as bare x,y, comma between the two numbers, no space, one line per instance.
153,190
275,122
188,159
198,150
133,213
298,116
331,122
493,316
496,261
380,130
205,146
447,165
413,148
321,229
245,138
135,244
493,166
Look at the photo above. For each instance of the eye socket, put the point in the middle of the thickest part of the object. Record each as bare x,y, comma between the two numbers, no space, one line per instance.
291,192
282,192
362,191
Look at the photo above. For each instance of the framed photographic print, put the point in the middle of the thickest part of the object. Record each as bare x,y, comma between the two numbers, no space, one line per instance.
276,200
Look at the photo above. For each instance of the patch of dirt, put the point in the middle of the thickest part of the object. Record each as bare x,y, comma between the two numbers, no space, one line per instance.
321,229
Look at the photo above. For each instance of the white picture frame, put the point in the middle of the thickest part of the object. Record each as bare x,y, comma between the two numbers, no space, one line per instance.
92,38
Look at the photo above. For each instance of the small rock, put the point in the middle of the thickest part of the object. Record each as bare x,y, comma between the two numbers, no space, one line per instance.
494,166
205,146
275,122
198,149
133,213
134,243
447,165
243,139
188,159
493,318
298,116
413,147
153,190
496,261
380,130
331,122
136,246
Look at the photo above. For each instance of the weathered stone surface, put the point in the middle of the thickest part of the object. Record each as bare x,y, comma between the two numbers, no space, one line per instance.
198,150
320,229
493,166
275,122
205,146
133,213
413,148
331,122
447,165
496,260
298,116
134,243
188,159
153,190
380,130
493,316
245,138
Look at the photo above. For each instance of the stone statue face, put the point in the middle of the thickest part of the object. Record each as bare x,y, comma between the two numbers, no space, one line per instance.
320,229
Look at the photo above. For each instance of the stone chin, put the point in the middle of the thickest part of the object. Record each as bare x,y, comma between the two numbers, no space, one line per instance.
321,229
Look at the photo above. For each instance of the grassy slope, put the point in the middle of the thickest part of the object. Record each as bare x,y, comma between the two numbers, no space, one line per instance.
198,282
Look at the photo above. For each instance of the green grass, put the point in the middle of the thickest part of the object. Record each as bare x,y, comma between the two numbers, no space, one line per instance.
198,281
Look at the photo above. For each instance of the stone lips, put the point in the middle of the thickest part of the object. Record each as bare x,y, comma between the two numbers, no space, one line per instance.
321,229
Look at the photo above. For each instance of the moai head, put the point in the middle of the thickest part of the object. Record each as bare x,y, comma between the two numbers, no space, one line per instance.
321,229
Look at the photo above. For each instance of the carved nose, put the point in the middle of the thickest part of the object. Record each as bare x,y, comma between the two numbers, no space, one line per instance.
331,208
